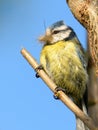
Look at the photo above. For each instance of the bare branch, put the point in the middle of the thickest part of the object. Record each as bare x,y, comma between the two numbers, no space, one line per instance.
62,96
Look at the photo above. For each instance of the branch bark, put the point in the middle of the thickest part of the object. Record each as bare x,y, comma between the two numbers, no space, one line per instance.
62,96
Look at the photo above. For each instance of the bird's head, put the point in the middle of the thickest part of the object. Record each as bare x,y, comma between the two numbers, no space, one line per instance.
57,32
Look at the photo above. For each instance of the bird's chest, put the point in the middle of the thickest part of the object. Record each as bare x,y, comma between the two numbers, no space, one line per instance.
61,61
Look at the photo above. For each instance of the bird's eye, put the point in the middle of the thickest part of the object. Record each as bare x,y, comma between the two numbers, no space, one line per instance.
55,32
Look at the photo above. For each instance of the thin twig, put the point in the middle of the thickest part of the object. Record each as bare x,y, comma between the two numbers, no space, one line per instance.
62,96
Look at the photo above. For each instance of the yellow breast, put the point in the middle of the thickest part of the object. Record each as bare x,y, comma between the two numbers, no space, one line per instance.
63,65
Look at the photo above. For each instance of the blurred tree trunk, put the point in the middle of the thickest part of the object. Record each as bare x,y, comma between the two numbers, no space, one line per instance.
86,12
92,93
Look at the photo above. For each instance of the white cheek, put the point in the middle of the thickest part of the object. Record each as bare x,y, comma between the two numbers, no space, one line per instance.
60,36
55,38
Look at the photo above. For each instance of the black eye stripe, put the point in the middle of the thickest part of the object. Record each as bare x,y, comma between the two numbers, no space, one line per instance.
69,36
57,31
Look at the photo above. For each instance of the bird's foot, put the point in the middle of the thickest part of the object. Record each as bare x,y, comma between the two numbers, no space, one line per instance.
56,95
40,67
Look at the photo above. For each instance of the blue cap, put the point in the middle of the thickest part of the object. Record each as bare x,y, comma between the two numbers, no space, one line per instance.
57,24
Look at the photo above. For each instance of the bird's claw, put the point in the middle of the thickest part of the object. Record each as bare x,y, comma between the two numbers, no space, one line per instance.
37,75
40,67
56,95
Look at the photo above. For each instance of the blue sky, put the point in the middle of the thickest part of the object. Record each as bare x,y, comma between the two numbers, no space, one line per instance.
26,103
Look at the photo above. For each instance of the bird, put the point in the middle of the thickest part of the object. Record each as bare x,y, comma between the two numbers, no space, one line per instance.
65,61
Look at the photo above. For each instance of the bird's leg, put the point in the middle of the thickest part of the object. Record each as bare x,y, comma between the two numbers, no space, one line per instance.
40,67
56,96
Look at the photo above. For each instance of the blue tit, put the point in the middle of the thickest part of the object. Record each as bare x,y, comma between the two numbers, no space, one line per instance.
65,61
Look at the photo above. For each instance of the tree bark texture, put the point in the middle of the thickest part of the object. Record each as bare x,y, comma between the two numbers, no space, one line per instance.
86,12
